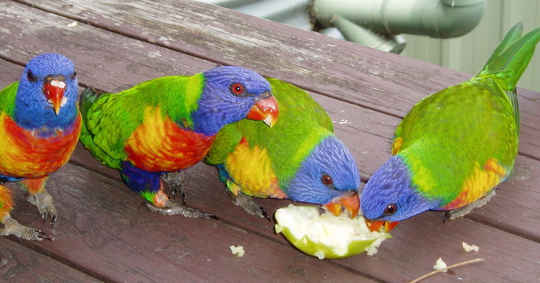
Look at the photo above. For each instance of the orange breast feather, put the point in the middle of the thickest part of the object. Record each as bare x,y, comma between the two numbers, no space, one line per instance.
160,145
25,154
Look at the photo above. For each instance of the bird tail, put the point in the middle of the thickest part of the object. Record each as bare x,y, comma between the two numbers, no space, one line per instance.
511,57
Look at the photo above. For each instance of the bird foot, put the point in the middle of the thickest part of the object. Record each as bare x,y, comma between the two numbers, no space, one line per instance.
44,203
174,185
460,212
249,205
175,208
13,227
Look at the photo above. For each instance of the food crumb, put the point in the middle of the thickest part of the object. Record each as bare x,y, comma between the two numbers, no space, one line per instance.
440,265
237,250
73,24
469,248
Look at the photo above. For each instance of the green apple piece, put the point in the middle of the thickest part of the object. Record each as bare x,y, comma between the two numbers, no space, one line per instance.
326,235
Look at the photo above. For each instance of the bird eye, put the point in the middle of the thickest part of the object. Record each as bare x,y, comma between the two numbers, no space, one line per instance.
74,75
390,209
238,89
31,77
327,180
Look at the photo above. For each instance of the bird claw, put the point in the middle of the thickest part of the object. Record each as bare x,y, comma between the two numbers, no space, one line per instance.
44,236
174,208
174,184
175,193
44,203
250,206
12,227
50,218
461,212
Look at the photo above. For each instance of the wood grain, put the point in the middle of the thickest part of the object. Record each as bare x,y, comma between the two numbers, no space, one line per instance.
22,264
367,132
105,229
383,81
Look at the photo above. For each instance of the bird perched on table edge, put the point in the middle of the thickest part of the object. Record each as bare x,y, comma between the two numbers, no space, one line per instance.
454,147
299,158
168,124
39,125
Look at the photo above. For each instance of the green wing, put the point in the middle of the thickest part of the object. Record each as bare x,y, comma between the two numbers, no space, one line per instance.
110,119
7,98
302,121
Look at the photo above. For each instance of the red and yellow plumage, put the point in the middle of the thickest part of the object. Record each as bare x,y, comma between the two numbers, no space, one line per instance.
251,168
159,144
25,154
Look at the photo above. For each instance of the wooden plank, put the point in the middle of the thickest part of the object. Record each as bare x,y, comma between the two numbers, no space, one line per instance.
366,132
205,178
418,243
21,264
27,32
386,82
417,238
105,228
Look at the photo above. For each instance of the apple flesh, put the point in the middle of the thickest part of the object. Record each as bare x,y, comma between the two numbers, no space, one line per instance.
326,235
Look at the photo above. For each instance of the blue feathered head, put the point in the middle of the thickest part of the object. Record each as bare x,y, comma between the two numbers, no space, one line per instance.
231,94
48,93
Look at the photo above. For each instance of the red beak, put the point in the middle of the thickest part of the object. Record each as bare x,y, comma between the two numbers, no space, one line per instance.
54,92
348,201
376,225
265,109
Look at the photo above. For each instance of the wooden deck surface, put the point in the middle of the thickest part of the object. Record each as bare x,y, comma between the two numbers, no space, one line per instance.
105,233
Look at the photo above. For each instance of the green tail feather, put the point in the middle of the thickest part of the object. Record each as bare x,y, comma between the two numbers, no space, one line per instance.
511,57
88,97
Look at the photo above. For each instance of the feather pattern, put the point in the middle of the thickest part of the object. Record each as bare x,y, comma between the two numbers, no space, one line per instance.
292,156
166,124
26,154
159,144
455,145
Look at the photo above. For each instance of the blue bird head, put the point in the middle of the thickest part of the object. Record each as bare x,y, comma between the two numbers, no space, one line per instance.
328,176
48,93
390,195
231,94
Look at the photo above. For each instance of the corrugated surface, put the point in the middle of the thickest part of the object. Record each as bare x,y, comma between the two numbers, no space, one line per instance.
470,52
466,54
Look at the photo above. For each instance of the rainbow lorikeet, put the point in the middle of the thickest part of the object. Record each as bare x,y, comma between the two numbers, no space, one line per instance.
299,158
454,147
168,124
39,129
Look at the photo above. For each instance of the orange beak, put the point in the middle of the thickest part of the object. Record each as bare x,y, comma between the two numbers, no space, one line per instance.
376,225
265,109
54,92
348,201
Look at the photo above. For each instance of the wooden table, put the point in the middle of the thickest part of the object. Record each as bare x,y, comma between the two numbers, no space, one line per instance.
105,233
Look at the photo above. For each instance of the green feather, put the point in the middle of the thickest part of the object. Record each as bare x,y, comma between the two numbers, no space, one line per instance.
7,98
110,119
447,134
302,122
511,57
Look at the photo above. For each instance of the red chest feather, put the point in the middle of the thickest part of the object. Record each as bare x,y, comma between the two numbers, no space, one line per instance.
159,144
26,154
